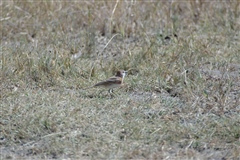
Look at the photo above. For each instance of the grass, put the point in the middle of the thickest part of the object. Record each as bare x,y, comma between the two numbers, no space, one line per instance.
180,99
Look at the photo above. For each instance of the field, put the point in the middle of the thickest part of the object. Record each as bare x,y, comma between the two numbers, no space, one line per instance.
180,99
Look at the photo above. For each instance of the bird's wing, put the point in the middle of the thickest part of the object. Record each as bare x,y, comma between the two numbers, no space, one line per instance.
114,79
109,81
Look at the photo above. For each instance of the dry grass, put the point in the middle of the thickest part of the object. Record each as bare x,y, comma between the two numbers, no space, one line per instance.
180,99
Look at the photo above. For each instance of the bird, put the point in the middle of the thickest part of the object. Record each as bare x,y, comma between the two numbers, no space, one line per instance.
112,82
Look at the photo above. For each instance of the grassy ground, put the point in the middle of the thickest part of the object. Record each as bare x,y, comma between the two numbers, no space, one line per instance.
180,99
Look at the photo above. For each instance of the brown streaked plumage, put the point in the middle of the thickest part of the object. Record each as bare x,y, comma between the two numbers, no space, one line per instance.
112,82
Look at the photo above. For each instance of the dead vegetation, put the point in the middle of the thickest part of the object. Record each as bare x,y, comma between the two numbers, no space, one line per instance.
180,99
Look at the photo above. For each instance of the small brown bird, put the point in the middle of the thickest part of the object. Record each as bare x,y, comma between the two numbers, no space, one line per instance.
113,82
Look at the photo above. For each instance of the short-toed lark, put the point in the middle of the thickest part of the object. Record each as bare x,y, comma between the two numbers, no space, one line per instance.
112,82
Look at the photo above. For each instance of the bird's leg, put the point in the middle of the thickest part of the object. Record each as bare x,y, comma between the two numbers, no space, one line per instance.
110,91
